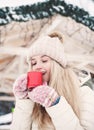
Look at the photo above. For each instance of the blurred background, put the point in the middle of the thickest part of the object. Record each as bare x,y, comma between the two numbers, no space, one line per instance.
22,22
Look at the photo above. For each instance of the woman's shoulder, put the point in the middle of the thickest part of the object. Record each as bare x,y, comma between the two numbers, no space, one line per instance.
87,94
87,107
86,90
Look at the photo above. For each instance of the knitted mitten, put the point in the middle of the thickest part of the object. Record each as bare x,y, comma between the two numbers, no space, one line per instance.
44,95
20,87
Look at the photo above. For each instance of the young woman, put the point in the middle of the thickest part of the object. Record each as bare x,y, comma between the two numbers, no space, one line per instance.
60,103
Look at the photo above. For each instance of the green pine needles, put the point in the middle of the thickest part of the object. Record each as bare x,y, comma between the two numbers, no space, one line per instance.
45,9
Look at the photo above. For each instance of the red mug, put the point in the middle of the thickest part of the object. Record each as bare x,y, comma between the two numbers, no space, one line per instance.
34,79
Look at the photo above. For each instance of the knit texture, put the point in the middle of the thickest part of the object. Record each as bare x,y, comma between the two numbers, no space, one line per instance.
20,87
44,95
50,46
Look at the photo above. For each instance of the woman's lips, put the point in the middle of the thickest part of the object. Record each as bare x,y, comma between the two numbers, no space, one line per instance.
43,71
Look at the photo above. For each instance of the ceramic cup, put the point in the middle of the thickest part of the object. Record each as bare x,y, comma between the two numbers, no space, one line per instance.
34,79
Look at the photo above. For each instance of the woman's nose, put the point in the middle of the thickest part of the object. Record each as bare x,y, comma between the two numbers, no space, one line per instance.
38,67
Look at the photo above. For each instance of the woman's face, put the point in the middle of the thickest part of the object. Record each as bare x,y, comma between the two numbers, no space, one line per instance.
42,63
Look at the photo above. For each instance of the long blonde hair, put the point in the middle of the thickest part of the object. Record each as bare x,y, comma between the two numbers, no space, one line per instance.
66,83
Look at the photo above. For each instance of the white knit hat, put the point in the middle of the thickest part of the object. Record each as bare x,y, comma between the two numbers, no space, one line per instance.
50,46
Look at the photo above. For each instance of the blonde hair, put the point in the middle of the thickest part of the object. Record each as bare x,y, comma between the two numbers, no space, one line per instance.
66,84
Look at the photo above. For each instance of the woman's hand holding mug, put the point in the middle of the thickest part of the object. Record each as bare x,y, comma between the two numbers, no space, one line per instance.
25,83
44,95
31,86
20,87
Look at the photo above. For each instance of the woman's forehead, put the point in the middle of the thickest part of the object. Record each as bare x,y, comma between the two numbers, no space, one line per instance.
39,56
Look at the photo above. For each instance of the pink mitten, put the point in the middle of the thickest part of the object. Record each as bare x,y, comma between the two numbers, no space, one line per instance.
44,95
20,87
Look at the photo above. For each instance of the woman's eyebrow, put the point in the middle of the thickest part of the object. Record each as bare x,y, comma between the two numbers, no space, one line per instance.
44,56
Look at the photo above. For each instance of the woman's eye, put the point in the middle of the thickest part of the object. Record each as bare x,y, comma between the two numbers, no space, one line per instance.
33,63
44,61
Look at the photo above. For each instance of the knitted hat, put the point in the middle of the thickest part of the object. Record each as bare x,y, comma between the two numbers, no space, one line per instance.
50,46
